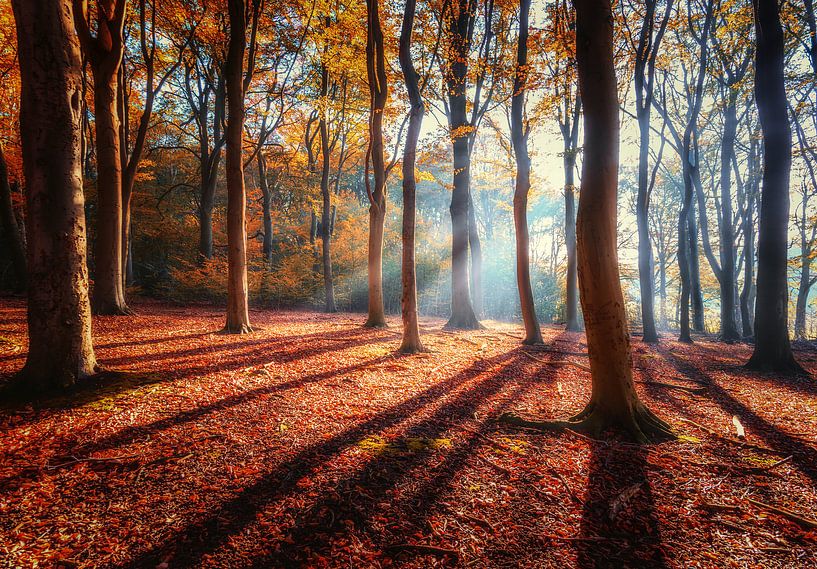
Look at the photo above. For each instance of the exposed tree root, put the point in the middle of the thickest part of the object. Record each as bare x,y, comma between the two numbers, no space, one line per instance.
375,323
642,426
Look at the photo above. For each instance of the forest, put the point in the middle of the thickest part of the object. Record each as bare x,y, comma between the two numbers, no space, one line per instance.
408,283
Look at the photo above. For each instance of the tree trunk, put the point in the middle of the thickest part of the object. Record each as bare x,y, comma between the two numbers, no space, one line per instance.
11,229
326,215
238,316
379,89
684,264
729,327
614,401
109,293
572,323
461,31
266,207
803,288
519,136
475,248
408,299
208,168
696,293
59,315
772,348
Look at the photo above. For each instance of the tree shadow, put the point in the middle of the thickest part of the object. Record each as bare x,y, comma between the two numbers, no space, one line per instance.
618,527
313,528
804,455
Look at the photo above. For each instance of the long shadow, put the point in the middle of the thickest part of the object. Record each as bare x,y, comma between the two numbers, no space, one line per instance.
128,434
350,337
619,526
147,341
206,535
804,456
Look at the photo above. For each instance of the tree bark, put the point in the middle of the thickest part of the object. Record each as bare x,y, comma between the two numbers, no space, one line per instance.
729,327
266,198
104,51
475,249
572,323
59,316
238,317
461,28
411,342
644,75
326,212
11,229
614,401
519,136
379,93
772,348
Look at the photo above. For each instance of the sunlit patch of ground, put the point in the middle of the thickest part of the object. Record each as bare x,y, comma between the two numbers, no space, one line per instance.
311,443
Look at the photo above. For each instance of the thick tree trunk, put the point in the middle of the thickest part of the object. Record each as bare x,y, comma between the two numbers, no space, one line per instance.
238,316
614,401
11,229
379,90
460,30
684,257
59,315
411,342
519,136
772,348
109,290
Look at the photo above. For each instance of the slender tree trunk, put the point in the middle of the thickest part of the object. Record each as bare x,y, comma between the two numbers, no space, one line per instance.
238,317
326,216
519,135
772,348
475,248
803,288
572,323
461,30
696,293
729,327
208,168
266,206
378,86
59,315
747,293
411,342
614,401
11,229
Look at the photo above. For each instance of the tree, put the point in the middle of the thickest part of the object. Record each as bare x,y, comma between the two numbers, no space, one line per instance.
237,82
59,316
379,89
460,32
646,52
8,222
519,135
411,342
772,347
104,52
614,402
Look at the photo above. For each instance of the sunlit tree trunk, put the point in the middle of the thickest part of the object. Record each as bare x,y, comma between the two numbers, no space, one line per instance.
475,249
379,90
572,279
461,32
729,327
408,299
104,51
519,136
238,317
614,401
326,212
772,348
11,229
59,315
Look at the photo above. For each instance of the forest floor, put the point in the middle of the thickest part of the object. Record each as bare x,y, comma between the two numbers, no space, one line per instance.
311,443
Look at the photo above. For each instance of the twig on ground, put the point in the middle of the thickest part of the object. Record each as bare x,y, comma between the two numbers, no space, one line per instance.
76,460
690,390
429,549
806,522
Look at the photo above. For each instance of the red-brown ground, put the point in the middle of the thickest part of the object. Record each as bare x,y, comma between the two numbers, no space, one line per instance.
311,443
